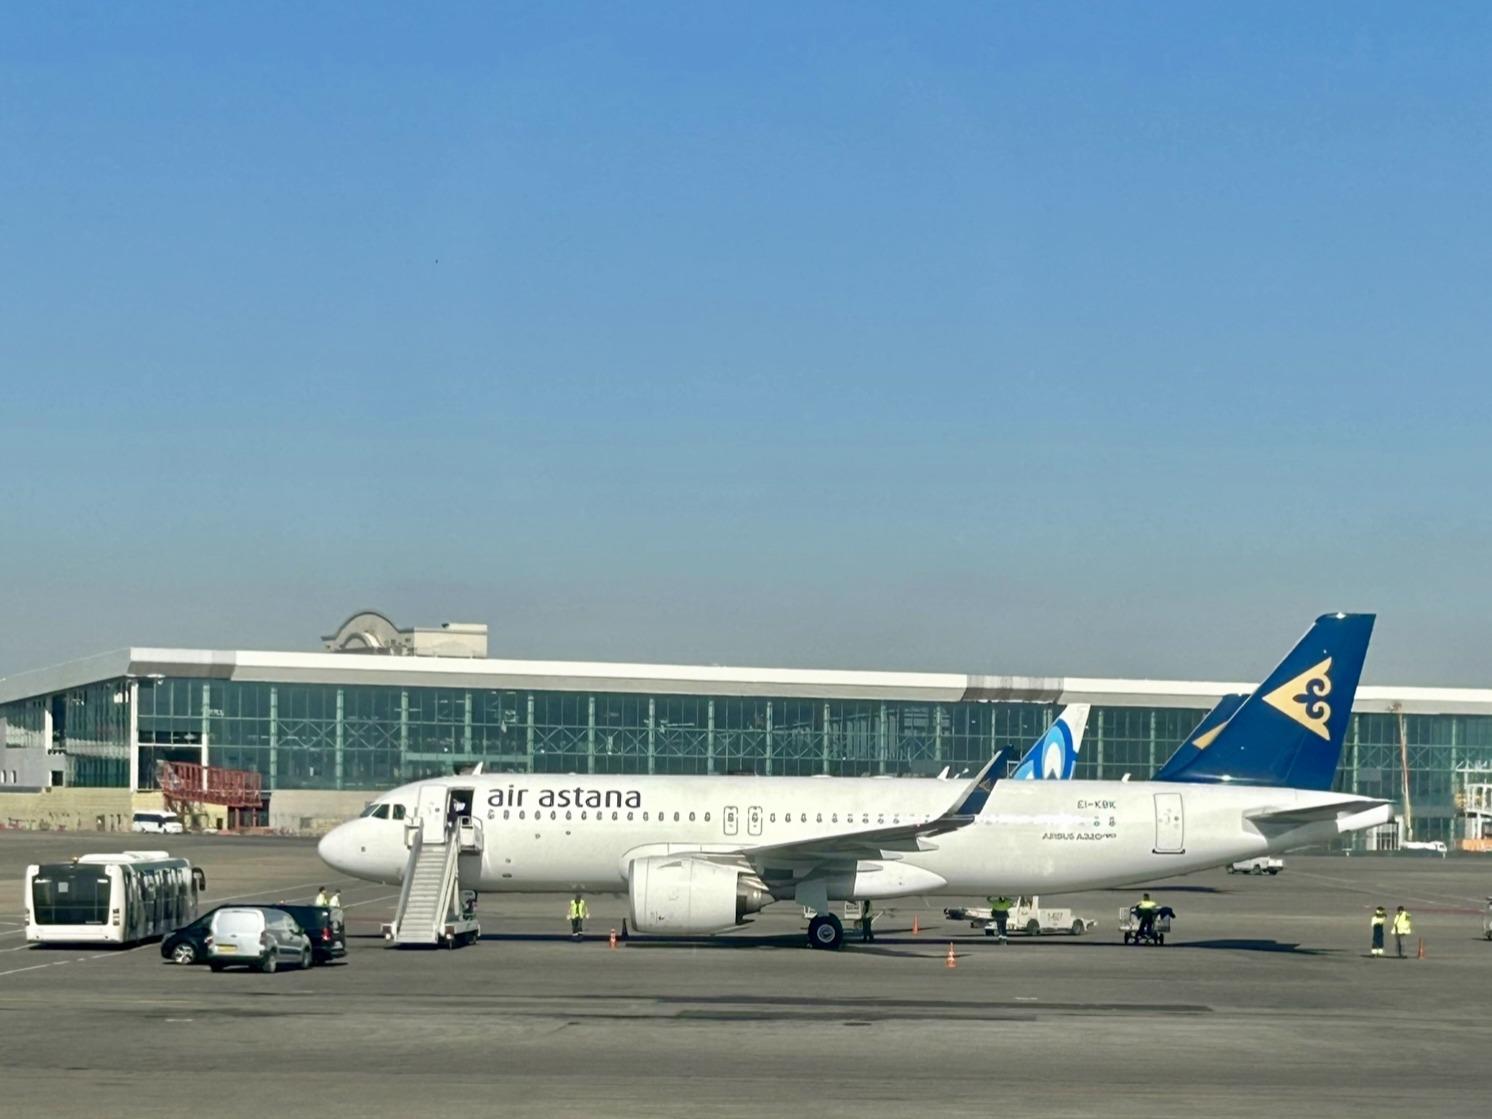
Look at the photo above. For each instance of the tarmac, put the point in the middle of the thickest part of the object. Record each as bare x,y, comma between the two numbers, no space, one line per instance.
1262,1002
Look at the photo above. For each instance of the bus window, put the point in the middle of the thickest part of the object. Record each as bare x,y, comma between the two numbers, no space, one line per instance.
71,896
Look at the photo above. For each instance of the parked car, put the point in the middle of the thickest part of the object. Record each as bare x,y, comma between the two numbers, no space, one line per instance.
1263,864
167,823
188,944
261,937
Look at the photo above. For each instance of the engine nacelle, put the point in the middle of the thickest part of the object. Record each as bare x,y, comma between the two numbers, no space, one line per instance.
687,894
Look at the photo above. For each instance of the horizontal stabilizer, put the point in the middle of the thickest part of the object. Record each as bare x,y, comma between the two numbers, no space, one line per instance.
1296,815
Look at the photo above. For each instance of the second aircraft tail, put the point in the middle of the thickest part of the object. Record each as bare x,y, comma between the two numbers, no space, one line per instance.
1054,756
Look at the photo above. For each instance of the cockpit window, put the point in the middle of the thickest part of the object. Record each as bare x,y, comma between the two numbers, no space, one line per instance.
398,813
378,811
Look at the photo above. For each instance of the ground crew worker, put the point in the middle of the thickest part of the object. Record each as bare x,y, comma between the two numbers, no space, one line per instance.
1000,910
1145,911
335,901
578,913
1380,916
1401,929
321,896
866,932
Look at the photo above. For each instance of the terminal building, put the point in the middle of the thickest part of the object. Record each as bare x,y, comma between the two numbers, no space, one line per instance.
378,706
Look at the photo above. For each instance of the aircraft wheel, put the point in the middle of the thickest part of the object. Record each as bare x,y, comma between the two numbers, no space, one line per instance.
1077,927
825,931
1033,927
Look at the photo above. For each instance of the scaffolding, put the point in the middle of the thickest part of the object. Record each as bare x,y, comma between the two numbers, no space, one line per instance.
187,787
1474,805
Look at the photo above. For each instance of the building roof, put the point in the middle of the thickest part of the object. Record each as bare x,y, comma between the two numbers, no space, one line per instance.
672,679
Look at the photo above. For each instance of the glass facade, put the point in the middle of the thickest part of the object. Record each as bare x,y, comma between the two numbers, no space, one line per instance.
326,736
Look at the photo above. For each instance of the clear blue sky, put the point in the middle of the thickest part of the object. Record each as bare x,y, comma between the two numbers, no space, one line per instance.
1086,339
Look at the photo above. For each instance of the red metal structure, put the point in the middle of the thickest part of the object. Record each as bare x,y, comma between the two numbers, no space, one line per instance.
185,784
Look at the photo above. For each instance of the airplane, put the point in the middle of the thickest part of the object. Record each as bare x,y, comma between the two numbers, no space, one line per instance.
699,854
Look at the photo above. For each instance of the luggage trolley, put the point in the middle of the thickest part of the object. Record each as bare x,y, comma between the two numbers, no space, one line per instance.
1129,925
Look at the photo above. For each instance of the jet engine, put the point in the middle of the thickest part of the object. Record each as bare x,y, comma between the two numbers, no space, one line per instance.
689,894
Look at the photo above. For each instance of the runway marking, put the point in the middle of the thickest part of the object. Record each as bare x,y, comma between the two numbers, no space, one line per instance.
1344,884
369,901
33,967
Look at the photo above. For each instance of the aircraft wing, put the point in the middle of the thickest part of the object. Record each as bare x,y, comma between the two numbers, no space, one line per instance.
1294,816
850,846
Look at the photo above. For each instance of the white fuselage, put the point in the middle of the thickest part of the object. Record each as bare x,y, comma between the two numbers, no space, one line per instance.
544,833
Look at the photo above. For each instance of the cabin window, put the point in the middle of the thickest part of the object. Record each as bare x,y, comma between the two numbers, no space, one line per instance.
691,817
629,815
707,817
818,818
644,817
505,813
772,819
582,814
553,815
613,815
676,817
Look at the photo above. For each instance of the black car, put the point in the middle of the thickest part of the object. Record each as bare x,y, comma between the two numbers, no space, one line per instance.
188,944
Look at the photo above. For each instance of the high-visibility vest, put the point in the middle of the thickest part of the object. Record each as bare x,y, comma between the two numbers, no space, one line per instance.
1001,905
1378,919
1147,904
1401,924
577,909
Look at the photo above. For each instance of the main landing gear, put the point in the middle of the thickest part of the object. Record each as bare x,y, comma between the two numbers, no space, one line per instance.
825,931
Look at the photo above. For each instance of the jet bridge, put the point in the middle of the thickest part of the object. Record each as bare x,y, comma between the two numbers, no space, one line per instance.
433,910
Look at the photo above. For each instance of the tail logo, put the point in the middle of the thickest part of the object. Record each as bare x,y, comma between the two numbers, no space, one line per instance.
1304,699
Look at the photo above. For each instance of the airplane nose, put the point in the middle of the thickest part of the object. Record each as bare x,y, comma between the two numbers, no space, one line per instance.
338,849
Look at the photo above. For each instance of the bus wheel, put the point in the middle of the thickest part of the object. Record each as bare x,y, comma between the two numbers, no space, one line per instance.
184,953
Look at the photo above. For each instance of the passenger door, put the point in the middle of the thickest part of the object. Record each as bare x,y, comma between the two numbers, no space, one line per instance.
1170,825
754,820
731,819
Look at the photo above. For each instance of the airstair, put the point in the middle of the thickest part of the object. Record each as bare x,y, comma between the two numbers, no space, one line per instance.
433,909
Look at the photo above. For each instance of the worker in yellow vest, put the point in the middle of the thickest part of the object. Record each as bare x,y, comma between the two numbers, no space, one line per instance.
1145,909
1380,918
1000,910
578,913
1401,929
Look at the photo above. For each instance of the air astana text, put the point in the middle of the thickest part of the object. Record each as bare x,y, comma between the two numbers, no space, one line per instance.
577,797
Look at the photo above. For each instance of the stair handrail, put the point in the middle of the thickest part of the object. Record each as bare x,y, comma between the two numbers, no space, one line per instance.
409,866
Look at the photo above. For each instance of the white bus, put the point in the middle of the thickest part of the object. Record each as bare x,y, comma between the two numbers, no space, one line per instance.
111,899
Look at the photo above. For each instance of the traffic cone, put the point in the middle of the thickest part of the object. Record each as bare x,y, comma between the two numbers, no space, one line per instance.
1420,955
952,959
612,939
916,928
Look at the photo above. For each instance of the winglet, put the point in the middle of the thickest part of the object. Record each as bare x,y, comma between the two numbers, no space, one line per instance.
977,793
1202,736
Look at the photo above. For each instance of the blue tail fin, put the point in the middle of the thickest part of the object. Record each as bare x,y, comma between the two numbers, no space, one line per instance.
1289,732
1201,737
1054,756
